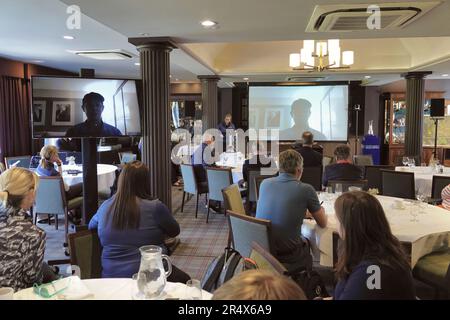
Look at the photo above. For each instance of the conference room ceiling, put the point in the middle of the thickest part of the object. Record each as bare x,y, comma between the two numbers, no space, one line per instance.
253,40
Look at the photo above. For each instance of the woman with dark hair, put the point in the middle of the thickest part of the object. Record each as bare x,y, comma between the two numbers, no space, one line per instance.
371,263
131,219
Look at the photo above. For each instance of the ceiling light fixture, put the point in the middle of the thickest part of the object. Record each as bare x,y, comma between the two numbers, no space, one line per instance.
445,75
68,37
137,64
320,56
209,24
245,79
367,77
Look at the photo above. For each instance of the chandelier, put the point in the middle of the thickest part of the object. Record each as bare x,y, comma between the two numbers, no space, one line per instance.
320,56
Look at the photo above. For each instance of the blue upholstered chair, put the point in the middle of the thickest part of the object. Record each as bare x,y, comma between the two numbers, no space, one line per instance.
51,200
218,179
191,186
245,230
21,162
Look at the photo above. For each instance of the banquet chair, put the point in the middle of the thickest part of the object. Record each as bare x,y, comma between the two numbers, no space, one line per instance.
265,261
434,270
326,160
251,185
363,160
347,184
218,179
246,229
232,202
373,176
21,162
398,184
86,252
258,181
51,200
191,186
438,184
313,176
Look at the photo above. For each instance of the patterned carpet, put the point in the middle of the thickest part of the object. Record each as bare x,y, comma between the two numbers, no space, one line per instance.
200,242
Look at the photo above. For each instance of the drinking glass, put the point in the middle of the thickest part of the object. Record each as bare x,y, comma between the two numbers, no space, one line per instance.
411,163
193,290
329,192
6,293
422,198
338,189
405,161
414,211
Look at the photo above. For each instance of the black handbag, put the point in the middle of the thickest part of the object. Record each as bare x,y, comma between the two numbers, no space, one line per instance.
310,281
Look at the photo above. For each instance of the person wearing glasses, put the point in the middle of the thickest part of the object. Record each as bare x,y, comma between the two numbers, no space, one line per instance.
22,244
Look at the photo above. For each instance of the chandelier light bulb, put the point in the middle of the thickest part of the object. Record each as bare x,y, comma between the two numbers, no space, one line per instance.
294,60
347,58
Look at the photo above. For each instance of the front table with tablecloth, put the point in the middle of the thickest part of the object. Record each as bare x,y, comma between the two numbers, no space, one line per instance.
117,289
105,176
423,177
430,233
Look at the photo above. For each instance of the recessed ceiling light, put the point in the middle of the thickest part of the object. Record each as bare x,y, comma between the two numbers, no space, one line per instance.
144,34
37,61
367,77
245,79
445,75
68,37
209,24
177,80
137,64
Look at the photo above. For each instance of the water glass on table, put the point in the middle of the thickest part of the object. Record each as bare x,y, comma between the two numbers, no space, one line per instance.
193,290
405,161
338,189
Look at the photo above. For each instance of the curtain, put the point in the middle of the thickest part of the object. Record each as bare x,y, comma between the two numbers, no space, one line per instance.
15,114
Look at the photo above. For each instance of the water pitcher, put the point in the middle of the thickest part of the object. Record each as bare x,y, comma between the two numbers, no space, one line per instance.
151,278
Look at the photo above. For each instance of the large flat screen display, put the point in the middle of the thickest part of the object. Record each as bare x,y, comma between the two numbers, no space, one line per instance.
323,110
80,107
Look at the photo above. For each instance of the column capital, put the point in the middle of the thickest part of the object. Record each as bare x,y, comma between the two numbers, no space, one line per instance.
209,77
416,74
161,43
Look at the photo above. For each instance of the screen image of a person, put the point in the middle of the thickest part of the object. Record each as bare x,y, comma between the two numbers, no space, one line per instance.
300,113
93,126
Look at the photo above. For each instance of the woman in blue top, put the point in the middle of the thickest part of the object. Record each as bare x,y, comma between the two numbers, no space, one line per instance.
131,219
371,264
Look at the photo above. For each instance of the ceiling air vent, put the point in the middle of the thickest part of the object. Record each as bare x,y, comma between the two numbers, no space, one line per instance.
353,17
116,54
305,78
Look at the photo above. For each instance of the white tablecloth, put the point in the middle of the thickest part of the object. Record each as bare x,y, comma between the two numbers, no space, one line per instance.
423,177
117,289
235,160
429,234
105,176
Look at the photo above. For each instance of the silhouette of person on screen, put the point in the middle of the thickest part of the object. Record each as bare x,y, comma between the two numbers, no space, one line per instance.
94,126
300,113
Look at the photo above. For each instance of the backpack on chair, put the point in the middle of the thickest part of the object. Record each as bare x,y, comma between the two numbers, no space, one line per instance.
224,267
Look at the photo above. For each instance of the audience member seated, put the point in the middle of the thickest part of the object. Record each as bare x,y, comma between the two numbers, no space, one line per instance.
259,285
200,159
284,201
50,157
311,158
22,244
258,161
131,219
445,196
343,169
371,262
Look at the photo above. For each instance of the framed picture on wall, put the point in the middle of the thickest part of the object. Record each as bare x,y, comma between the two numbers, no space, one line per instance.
39,112
272,119
63,113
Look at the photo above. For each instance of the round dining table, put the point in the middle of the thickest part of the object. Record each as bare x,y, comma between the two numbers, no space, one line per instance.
422,227
73,174
423,177
109,289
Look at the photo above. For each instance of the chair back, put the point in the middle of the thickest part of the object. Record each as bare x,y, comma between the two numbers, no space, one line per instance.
347,184
438,184
50,196
34,162
313,176
86,252
363,160
398,184
373,176
258,181
218,179
251,183
233,200
265,261
246,229
21,162
326,161
189,181
127,157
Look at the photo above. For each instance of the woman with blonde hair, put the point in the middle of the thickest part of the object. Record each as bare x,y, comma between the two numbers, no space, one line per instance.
22,244
259,285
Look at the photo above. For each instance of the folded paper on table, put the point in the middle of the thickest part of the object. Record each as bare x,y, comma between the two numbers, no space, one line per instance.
75,289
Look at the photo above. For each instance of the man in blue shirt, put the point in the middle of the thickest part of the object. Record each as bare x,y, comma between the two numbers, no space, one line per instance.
93,126
285,200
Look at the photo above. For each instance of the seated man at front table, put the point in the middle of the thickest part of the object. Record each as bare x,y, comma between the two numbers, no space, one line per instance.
199,160
285,200
311,158
343,169
94,126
